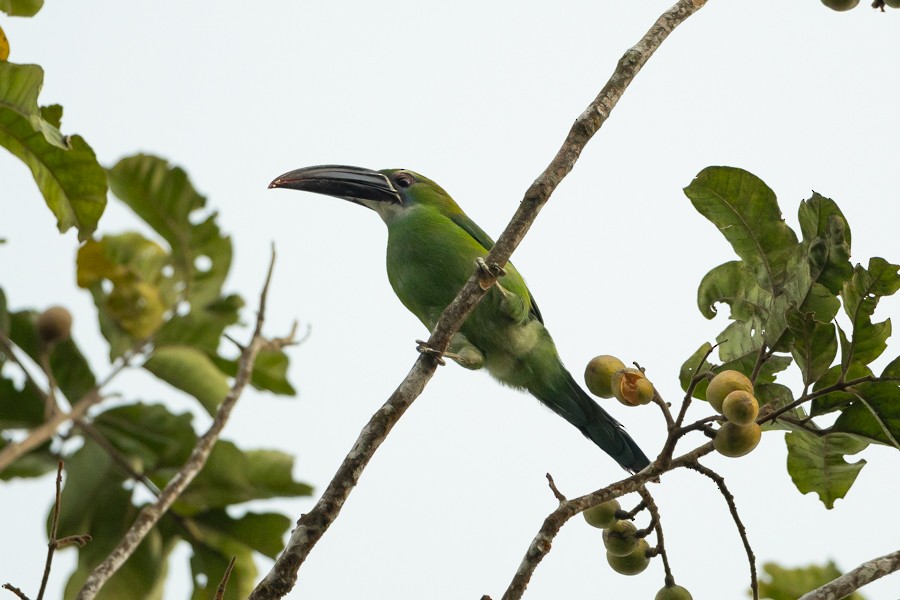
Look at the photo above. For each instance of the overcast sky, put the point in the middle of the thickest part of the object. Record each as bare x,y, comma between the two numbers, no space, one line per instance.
477,96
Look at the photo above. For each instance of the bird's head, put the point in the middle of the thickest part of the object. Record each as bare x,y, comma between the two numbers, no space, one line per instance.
388,192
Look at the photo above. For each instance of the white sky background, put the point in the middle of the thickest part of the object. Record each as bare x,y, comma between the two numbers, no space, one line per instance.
478,96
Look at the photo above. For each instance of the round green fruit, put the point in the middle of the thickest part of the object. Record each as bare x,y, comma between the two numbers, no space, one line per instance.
892,3
740,407
675,592
633,563
736,440
620,538
723,384
54,325
602,515
840,5
598,373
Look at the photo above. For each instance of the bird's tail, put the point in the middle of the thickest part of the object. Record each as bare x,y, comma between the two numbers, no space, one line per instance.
569,401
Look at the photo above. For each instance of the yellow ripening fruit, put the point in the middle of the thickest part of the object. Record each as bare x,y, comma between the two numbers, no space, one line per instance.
602,515
54,325
632,563
736,440
598,372
723,384
631,387
740,407
620,538
675,592
840,5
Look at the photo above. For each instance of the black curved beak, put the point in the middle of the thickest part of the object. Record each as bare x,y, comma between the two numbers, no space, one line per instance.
355,184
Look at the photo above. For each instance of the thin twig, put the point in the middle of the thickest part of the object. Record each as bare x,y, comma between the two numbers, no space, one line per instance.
150,514
631,514
54,526
120,459
835,387
660,540
554,489
220,592
729,499
15,590
311,526
862,575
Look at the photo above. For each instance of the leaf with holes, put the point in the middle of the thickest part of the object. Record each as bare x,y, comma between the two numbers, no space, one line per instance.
163,196
816,464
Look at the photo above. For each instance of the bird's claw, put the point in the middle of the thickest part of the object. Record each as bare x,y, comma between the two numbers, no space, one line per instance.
492,270
423,348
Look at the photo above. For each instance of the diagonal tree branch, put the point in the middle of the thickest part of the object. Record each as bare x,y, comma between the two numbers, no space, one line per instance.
152,513
311,526
862,575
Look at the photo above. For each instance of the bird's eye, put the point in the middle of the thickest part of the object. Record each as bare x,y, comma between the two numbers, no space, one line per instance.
403,180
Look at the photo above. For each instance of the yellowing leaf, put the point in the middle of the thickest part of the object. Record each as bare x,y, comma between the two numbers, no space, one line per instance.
4,45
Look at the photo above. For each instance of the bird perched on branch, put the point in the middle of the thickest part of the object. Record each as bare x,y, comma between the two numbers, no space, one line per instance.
431,252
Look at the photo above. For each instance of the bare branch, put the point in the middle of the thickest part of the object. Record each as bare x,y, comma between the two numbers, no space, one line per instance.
15,590
559,495
729,499
43,432
52,544
220,592
311,526
862,575
657,525
150,514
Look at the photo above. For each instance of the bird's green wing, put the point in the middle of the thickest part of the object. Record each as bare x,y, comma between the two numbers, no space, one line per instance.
472,228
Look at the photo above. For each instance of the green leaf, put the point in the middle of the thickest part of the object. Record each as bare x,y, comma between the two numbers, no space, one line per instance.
269,372
834,400
893,369
874,413
21,8
4,314
74,377
860,296
96,502
208,565
747,214
827,233
191,371
36,463
814,345
731,283
790,584
148,434
164,198
694,365
65,168
816,464
19,407
262,532
232,476
202,328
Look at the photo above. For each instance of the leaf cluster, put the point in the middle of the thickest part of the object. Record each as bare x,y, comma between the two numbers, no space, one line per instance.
160,305
798,300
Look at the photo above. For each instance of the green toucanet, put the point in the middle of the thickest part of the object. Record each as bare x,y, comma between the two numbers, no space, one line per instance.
431,251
